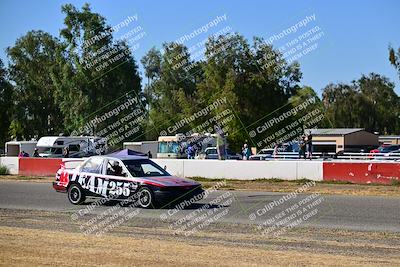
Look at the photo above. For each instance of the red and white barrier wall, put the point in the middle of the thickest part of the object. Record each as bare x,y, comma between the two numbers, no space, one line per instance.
361,172
38,166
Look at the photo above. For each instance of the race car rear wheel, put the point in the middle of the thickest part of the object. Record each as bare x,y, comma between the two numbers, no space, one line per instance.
76,195
146,198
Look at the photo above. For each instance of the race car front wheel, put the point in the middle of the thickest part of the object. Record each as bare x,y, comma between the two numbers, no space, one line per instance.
146,198
75,194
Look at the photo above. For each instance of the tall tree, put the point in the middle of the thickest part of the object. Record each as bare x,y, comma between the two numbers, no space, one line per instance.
172,93
152,64
6,106
31,61
94,68
255,79
370,103
231,69
394,58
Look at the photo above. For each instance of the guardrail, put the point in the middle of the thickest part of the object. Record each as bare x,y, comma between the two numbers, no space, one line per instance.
346,155
369,156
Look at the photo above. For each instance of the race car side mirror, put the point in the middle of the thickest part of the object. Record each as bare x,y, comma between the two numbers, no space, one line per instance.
165,167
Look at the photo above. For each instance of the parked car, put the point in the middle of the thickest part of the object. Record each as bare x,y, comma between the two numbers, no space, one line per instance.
395,153
134,178
232,155
385,149
212,153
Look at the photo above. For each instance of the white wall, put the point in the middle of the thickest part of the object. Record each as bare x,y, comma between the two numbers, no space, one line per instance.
174,166
227,169
12,163
312,170
244,170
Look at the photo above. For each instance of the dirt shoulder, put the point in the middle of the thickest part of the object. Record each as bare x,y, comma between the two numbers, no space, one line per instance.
22,178
40,236
269,185
282,186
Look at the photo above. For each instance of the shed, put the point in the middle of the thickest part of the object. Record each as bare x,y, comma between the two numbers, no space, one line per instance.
346,139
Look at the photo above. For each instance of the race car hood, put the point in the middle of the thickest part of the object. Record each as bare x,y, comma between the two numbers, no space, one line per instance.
170,181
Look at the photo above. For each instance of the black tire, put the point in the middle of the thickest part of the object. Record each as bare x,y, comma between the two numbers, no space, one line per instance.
146,198
76,195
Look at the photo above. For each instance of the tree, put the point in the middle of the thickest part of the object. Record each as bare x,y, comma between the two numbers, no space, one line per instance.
255,79
232,69
370,103
93,69
172,93
394,58
35,112
6,105
152,64
380,98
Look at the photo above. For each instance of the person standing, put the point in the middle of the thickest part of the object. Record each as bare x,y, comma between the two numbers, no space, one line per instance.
190,152
246,152
221,146
302,148
309,145
275,153
66,152
36,153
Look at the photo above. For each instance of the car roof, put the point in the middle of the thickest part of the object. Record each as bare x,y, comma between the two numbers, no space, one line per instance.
122,157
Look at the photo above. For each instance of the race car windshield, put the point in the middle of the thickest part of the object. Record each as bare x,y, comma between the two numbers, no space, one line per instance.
144,168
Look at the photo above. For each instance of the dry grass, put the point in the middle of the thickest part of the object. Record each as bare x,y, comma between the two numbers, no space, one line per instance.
320,187
12,177
29,247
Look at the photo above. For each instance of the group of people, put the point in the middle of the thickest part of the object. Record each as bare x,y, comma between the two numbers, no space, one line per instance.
192,150
24,154
305,148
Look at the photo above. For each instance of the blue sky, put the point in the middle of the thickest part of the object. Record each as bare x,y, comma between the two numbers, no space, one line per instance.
356,34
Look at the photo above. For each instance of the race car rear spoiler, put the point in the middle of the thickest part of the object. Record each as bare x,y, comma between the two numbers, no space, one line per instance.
70,163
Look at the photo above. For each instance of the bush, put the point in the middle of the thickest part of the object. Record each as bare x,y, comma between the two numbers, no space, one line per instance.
3,170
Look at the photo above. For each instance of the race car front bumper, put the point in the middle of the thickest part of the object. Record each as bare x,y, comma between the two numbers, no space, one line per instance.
176,195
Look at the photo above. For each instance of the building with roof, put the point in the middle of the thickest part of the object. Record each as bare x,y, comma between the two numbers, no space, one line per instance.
389,139
346,139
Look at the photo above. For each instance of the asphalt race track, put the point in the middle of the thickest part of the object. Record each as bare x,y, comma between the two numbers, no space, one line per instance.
342,212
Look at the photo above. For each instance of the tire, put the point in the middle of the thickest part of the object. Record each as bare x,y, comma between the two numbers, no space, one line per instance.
146,198
76,195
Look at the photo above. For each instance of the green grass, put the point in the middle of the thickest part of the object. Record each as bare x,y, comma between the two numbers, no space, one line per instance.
4,170
335,182
396,182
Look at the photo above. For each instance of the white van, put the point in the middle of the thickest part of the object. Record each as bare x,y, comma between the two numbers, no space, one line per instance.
79,146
